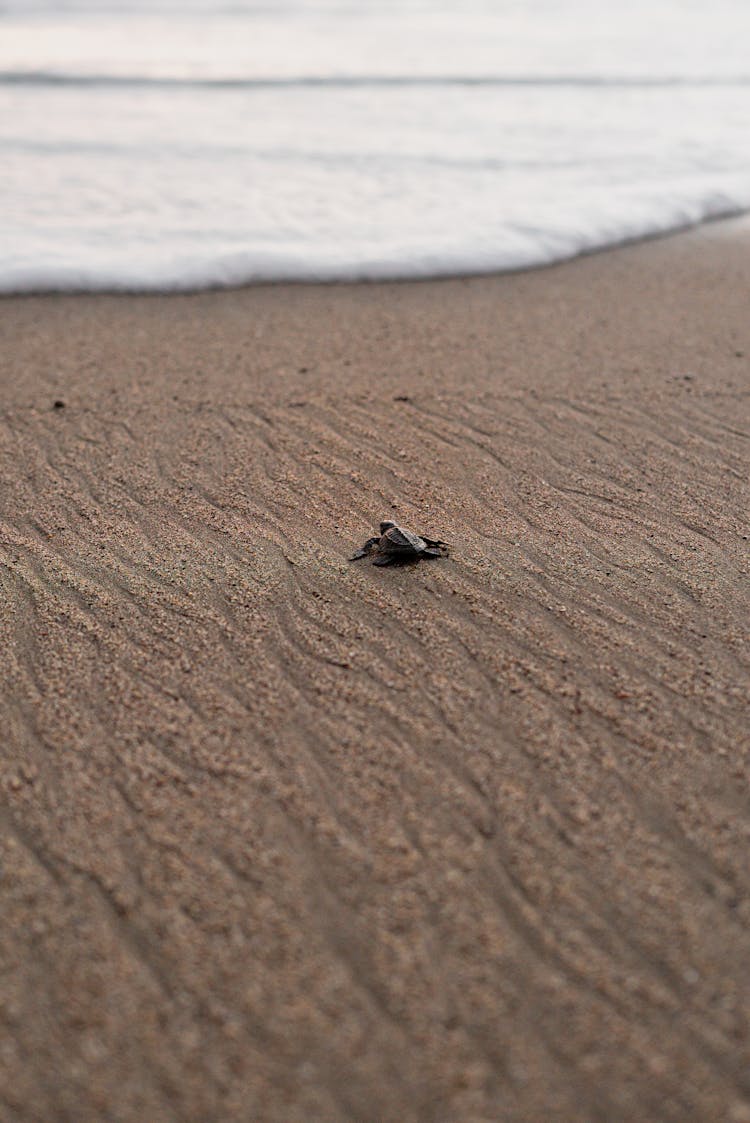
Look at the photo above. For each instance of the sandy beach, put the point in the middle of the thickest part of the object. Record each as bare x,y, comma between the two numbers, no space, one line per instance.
285,838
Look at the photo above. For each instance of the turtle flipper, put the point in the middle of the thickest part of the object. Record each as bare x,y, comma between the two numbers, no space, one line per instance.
432,553
384,559
434,543
365,550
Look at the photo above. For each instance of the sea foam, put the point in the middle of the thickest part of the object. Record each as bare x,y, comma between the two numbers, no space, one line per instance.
166,146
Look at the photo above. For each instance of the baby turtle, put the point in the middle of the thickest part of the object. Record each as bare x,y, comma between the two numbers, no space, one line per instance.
397,544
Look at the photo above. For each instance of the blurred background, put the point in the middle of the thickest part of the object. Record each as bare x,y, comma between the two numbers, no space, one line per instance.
173,145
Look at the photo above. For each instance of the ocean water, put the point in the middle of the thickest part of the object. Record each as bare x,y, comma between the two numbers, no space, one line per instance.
177,144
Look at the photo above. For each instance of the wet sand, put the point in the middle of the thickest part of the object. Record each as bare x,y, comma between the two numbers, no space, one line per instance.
286,838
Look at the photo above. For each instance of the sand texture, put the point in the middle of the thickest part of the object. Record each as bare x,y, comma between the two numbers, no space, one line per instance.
288,839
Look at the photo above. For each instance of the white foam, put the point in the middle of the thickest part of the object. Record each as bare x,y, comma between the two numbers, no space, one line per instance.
176,147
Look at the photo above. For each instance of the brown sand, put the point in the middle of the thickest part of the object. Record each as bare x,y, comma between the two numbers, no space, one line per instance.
285,838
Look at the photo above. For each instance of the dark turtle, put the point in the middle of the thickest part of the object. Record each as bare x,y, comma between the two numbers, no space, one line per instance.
397,544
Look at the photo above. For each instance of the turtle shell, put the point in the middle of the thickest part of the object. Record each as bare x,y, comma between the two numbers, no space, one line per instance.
399,540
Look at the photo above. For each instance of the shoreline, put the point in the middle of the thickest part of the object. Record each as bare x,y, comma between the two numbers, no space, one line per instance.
739,217
287,838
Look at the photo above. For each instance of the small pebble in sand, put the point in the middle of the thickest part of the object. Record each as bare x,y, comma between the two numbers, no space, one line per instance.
58,404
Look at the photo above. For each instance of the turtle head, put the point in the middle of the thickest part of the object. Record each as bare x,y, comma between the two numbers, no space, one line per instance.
386,526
